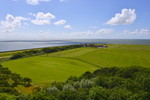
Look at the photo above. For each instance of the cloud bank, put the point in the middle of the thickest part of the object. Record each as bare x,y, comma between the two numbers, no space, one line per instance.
104,31
138,32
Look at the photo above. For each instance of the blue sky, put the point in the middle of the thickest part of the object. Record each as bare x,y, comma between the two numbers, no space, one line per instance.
74,19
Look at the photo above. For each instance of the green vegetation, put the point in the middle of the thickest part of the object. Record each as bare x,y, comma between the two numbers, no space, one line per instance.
5,56
113,83
115,55
8,54
35,52
58,66
9,80
48,69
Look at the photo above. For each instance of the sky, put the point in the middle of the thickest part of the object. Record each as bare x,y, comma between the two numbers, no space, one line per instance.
74,19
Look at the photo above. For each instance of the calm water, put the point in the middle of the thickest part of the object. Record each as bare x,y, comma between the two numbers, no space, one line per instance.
19,45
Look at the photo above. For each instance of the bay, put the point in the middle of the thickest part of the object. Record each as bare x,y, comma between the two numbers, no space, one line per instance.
7,45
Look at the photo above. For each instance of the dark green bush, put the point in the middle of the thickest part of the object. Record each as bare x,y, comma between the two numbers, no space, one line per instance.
18,55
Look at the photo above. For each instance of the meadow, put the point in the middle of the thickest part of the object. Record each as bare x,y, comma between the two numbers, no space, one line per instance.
115,55
59,66
48,69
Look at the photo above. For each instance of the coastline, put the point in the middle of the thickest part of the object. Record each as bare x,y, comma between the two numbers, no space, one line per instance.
17,45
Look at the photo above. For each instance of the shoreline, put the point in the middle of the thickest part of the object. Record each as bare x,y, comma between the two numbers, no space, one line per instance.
66,45
7,54
34,48
19,45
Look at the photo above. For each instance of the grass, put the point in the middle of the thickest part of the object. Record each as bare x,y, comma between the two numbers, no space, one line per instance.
115,55
26,90
47,69
8,54
4,56
59,66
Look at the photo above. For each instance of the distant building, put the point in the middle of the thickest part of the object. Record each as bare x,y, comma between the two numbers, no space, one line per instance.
93,45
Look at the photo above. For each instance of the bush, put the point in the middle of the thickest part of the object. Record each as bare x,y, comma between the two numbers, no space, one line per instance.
103,84
98,93
18,55
9,80
68,95
42,51
120,94
87,75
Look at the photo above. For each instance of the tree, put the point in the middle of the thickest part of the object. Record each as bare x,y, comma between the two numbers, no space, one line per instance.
119,94
98,93
83,94
68,95
18,55
27,81
87,75
86,83
69,87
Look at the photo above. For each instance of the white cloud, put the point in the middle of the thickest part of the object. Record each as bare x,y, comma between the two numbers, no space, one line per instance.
76,35
60,22
42,18
127,16
40,22
68,27
41,15
43,34
138,32
36,2
11,23
87,34
104,31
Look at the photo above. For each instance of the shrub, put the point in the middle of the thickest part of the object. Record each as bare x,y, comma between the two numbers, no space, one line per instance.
18,55
98,93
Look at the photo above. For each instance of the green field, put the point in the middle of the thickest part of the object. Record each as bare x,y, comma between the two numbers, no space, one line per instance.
115,55
59,66
48,69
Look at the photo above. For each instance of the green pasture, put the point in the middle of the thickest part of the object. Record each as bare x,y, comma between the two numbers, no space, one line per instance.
59,66
115,55
48,69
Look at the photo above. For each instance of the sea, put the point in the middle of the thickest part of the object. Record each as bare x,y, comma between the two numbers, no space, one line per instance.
12,45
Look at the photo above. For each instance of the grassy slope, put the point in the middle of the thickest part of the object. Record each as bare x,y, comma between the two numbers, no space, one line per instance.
48,69
115,55
8,54
60,65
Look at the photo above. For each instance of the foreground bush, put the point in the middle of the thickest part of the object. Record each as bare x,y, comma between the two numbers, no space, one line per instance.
130,83
9,80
